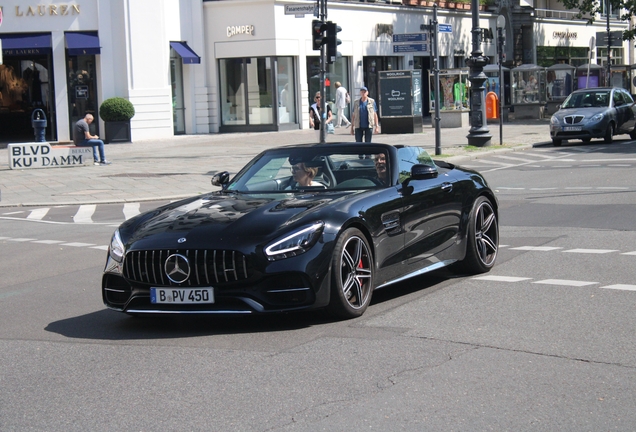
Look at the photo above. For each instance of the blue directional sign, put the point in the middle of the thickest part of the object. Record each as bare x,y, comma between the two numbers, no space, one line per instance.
409,37
422,47
445,28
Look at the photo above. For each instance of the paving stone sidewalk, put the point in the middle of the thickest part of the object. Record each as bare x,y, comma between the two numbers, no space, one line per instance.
182,166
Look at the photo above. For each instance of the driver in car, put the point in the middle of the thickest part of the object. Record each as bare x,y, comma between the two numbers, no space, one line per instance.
304,175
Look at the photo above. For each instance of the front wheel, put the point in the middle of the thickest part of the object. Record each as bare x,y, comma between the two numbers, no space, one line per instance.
482,239
609,134
352,275
556,142
632,134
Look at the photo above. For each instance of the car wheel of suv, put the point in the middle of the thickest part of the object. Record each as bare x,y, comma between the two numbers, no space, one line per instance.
556,142
609,134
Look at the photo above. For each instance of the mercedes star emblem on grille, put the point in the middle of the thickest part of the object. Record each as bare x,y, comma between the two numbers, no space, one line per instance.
177,268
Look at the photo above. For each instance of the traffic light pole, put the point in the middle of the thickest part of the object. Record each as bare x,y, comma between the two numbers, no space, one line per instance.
323,74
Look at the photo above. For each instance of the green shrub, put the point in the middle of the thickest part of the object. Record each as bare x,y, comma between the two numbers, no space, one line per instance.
116,109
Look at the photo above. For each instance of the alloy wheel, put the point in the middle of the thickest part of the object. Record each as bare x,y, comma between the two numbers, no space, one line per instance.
355,272
486,234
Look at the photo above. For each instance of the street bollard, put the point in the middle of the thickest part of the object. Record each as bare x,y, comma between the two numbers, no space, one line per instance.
38,121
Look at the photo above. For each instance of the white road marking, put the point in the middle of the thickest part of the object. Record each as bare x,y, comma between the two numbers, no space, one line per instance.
579,188
621,287
501,278
629,253
564,282
609,160
562,160
77,244
131,209
515,158
589,166
536,248
5,238
15,212
562,166
591,251
611,188
38,214
503,246
103,247
542,189
511,188
85,214
48,241
618,165
20,239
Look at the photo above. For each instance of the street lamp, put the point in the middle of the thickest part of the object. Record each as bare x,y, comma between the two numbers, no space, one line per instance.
501,25
478,135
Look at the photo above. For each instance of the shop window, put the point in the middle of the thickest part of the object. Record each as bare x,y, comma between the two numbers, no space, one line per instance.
286,90
82,89
176,83
336,72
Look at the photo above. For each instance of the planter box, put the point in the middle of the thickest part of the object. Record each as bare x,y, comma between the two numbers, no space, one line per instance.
117,132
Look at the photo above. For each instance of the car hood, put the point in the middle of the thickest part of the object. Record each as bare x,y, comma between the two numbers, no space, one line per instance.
224,218
587,112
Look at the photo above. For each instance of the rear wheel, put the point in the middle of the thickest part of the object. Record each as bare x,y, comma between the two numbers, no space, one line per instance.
482,239
609,134
556,142
352,275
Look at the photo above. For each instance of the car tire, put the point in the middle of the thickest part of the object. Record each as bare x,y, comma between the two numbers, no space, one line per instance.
609,134
586,140
556,142
352,275
632,134
482,242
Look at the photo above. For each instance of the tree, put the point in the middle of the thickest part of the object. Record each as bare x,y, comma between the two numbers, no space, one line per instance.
592,9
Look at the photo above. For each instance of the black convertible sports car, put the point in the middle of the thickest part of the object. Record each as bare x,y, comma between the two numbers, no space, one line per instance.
304,227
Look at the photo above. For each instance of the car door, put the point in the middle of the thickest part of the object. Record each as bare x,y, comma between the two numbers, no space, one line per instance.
630,112
431,209
621,110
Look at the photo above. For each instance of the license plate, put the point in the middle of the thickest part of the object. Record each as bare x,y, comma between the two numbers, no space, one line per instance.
572,129
182,295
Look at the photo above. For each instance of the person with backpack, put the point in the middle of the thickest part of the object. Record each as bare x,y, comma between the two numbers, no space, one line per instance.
342,100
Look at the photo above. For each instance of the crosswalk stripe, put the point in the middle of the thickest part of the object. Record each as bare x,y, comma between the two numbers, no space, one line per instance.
20,239
590,251
490,162
102,247
13,213
38,214
536,248
48,241
501,278
515,158
77,244
629,253
131,209
564,282
85,214
621,287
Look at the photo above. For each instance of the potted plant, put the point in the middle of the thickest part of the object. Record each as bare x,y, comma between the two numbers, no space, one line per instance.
116,113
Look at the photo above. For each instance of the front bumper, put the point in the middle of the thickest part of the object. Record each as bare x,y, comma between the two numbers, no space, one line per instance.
588,130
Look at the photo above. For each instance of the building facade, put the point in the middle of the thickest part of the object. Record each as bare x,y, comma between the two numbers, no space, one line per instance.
197,67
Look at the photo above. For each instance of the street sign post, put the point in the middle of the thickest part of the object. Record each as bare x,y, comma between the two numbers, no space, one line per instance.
410,37
422,47
445,28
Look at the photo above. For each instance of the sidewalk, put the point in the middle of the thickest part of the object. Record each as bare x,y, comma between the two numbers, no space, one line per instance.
182,166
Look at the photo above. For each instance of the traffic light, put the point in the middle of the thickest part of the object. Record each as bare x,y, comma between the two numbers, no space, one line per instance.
332,41
317,38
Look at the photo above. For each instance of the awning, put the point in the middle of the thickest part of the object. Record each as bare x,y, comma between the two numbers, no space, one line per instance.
82,43
186,53
25,43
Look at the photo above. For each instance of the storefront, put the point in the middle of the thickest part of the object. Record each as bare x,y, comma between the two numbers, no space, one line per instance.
65,58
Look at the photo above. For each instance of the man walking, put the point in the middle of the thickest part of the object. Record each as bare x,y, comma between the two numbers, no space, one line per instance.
364,117
83,138
342,100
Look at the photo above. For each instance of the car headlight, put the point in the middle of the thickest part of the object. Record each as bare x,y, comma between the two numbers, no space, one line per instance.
116,249
554,120
597,117
296,243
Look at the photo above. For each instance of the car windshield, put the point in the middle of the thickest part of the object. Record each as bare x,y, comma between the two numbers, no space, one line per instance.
314,168
587,99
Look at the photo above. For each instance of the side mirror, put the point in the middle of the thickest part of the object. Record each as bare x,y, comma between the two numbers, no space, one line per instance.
221,179
618,103
423,172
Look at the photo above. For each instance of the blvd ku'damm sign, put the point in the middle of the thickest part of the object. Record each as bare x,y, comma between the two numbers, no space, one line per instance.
44,155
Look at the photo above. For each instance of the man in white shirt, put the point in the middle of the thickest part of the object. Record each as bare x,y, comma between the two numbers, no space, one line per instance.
341,104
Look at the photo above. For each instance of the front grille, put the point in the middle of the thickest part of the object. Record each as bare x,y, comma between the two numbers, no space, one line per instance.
207,267
573,119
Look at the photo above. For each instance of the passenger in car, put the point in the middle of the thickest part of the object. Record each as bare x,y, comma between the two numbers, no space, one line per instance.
304,176
380,168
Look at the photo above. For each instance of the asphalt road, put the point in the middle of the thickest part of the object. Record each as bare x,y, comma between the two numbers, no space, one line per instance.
545,341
